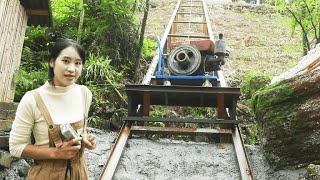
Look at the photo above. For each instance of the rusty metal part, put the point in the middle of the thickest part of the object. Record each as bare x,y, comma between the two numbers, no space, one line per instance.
116,152
188,36
180,120
242,157
181,131
183,96
184,89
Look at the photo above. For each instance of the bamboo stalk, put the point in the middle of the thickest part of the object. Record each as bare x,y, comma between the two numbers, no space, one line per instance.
13,16
5,38
17,49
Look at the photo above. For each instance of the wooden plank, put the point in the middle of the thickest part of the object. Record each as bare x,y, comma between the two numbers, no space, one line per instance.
5,159
146,103
312,67
191,13
188,36
191,22
193,6
182,131
221,108
37,12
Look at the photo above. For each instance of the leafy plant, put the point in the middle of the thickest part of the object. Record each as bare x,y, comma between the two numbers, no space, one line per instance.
149,48
103,80
199,112
253,82
160,111
26,80
109,35
100,70
254,133
305,16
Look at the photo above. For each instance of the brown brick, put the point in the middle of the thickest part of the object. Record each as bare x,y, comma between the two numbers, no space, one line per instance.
7,110
5,125
4,140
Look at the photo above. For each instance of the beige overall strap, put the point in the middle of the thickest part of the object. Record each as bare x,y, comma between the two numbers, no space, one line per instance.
53,130
85,98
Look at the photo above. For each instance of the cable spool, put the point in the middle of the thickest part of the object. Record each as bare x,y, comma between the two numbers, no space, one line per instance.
184,60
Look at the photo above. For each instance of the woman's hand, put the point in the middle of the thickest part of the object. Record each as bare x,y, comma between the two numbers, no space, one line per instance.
68,149
89,141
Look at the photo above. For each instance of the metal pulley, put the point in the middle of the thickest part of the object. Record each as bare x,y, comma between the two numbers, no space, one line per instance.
184,60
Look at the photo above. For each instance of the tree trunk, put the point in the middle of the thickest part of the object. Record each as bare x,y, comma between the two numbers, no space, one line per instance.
288,114
139,48
80,21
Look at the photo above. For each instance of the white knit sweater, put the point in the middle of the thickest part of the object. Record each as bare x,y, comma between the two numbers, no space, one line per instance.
65,105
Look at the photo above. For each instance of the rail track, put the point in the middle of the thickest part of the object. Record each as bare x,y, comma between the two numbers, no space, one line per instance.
188,23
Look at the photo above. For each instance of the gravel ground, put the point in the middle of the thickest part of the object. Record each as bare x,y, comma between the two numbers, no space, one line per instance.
96,158
169,159
172,159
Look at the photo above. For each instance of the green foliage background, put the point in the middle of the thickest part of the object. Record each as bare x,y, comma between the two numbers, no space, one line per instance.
109,36
305,19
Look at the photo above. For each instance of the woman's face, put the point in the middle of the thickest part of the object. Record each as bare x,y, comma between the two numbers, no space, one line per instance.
67,67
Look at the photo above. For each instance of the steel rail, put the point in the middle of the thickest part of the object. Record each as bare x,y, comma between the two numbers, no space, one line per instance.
184,89
232,131
152,67
116,152
242,157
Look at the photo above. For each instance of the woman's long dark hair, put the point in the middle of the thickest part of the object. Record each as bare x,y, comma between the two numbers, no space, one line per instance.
60,45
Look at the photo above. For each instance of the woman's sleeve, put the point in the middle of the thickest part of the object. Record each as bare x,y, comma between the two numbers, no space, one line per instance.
89,100
20,134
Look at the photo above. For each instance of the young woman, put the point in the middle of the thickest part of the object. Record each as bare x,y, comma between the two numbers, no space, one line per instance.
36,131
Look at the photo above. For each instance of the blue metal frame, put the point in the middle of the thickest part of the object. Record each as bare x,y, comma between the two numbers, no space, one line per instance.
184,79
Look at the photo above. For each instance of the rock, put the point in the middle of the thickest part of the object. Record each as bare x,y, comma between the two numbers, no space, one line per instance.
18,170
4,140
288,113
23,168
7,110
5,158
313,171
